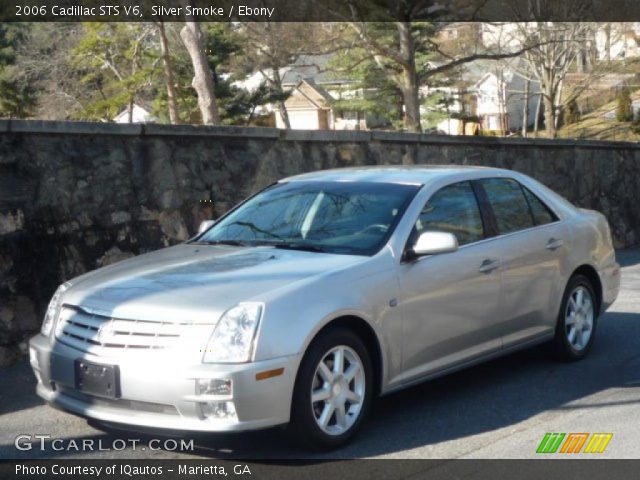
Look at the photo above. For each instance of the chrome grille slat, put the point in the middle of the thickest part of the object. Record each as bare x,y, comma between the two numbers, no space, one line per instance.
88,331
84,319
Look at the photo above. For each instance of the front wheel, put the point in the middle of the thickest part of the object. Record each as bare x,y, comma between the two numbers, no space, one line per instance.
333,390
577,320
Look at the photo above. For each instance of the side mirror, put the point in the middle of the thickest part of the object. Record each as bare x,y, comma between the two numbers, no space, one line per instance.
205,225
433,243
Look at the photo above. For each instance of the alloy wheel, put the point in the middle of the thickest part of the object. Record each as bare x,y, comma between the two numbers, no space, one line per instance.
579,318
338,390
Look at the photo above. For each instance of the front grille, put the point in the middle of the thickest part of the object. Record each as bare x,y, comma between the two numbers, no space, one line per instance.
88,331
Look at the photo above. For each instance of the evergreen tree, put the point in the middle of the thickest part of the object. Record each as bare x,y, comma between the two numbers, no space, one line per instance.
118,61
17,97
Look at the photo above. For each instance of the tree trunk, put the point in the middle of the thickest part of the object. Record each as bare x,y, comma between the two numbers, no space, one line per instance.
409,78
536,120
168,76
581,62
130,111
550,117
559,105
607,42
277,84
502,100
203,77
411,108
525,109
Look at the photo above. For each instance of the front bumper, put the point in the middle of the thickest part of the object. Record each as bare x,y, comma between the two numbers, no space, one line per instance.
157,391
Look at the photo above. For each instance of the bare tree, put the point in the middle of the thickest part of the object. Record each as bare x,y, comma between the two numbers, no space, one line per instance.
560,45
44,61
557,49
562,60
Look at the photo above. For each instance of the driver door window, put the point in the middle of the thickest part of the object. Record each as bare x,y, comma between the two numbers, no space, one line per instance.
453,209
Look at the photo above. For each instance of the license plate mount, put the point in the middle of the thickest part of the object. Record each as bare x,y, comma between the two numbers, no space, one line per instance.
97,379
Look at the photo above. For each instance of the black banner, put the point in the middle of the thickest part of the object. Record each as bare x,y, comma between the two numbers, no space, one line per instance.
322,470
319,10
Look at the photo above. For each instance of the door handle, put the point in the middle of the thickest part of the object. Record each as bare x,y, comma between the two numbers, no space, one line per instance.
489,265
554,243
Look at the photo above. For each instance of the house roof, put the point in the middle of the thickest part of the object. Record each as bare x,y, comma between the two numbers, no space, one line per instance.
310,93
314,68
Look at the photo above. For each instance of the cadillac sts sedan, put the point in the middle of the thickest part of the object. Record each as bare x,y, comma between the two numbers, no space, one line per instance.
327,289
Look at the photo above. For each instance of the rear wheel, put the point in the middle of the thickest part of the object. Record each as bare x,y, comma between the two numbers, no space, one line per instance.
577,319
333,390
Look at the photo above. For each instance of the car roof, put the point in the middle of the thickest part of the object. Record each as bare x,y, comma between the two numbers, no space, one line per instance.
400,174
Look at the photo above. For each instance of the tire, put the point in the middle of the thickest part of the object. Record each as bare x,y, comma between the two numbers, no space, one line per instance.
332,389
574,346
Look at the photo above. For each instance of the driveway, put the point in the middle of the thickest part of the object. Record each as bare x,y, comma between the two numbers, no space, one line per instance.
501,409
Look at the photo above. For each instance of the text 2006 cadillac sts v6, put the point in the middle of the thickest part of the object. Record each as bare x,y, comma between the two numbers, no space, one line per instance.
322,291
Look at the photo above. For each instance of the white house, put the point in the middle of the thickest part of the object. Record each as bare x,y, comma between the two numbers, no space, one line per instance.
313,86
138,115
308,108
501,95
488,95
617,41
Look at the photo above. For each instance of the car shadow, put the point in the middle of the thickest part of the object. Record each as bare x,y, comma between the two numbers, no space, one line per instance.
17,391
482,398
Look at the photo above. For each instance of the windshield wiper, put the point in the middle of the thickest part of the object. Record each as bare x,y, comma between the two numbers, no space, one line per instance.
234,243
282,245
296,246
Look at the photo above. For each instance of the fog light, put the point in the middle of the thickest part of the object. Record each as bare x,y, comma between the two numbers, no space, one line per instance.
218,410
213,386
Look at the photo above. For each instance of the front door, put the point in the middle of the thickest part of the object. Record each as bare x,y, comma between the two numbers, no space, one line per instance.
450,302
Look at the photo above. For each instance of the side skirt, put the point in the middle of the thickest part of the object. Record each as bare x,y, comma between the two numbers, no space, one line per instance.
469,363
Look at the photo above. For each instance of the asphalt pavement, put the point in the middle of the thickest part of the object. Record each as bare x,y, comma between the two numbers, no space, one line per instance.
501,409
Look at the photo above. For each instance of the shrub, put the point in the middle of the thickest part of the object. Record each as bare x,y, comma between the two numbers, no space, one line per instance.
572,113
624,109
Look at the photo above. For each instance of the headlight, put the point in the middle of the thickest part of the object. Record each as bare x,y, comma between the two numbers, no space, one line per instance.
232,339
53,310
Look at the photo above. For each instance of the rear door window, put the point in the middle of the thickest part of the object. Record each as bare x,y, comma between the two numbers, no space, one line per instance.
509,204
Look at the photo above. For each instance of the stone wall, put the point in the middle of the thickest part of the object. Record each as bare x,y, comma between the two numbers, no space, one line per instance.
75,196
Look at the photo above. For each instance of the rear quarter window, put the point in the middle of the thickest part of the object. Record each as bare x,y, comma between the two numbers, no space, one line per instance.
541,213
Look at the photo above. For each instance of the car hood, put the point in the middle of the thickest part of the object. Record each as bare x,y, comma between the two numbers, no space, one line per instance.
195,283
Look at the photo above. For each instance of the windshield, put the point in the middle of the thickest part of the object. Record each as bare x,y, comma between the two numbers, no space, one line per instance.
334,217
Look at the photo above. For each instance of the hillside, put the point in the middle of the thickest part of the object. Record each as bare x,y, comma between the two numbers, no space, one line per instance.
601,124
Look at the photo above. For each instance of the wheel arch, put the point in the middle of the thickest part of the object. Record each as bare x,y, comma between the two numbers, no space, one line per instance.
368,335
592,274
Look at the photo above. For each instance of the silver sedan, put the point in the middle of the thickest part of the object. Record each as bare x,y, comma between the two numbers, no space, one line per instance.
323,291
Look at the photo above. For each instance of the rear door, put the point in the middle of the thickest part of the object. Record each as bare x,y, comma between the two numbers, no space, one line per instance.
532,244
